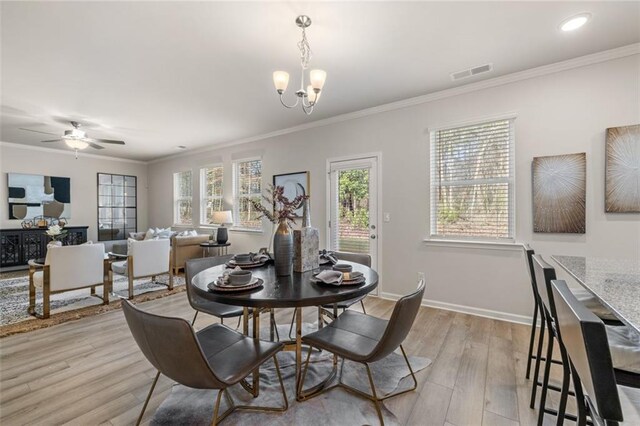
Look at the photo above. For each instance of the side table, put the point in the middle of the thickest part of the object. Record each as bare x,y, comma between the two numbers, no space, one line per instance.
221,249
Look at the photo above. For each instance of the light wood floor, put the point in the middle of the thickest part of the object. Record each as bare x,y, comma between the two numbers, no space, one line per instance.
91,371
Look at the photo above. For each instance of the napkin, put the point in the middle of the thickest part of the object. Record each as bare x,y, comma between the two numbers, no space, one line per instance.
224,278
256,257
328,255
330,277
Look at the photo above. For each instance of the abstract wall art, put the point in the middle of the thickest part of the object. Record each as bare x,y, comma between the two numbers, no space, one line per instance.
622,170
36,195
559,193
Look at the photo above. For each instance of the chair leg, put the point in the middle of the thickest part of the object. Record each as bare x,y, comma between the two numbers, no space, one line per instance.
364,311
532,339
130,286
46,299
194,318
566,379
32,295
105,293
293,318
536,370
238,325
170,279
545,380
580,402
320,320
375,399
273,326
146,402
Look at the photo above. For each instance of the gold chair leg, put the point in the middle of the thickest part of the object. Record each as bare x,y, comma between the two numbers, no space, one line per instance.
170,280
146,402
130,286
375,399
32,295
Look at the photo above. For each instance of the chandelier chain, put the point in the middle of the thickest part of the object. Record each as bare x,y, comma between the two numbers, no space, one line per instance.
305,50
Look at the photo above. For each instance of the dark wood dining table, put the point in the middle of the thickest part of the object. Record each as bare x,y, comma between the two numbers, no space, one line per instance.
293,291
614,282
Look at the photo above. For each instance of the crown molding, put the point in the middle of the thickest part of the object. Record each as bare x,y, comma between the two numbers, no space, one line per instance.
581,61
65,152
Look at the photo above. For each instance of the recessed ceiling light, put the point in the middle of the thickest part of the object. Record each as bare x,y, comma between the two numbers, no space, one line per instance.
576,21
181,147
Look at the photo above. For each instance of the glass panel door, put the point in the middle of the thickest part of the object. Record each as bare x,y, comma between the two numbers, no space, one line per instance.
353,203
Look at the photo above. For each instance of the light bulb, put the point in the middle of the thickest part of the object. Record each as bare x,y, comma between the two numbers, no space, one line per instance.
317,78
76,143
312,95
575,22
281,80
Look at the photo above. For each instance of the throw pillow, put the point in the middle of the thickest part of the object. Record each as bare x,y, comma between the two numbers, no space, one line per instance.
149,234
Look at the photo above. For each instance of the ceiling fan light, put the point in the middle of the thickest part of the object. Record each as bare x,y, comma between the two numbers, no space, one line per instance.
281,80
76,143
317,78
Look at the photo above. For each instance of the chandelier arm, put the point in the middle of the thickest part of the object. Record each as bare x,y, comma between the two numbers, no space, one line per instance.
288,106
307,110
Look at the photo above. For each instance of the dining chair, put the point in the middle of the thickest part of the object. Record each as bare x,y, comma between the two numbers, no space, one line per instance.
68,268
581,294
147,258
219,310
331,310
215,357
590,367
627,352
365,339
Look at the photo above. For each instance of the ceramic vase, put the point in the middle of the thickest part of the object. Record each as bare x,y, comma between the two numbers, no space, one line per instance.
283,249
54,243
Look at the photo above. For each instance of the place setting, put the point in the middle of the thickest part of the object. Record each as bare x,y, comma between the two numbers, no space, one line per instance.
235,279
248,260
339,274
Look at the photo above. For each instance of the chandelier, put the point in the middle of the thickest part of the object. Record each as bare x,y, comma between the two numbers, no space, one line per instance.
307,98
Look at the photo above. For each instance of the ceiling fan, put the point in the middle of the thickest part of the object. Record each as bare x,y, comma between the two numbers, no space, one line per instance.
77,139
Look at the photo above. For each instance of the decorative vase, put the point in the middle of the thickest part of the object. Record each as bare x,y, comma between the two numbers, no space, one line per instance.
54,243
306,214
283,249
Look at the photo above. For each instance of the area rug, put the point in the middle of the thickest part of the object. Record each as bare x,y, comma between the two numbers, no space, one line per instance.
14,301
338,407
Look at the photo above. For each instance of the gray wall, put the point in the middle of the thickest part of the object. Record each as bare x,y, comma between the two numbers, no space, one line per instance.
560,113
83,174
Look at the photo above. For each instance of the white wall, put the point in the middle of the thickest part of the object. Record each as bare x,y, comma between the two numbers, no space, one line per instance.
84,186
564,112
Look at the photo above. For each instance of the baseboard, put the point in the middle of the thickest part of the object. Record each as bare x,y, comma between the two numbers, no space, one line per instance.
497,315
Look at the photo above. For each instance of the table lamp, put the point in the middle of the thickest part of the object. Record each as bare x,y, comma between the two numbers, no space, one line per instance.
222,218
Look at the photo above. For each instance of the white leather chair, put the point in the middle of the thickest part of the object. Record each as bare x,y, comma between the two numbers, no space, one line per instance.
146,258
68,268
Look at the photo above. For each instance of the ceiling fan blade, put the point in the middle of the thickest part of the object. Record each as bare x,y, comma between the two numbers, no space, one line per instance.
52,140
105,141
95,145
38,131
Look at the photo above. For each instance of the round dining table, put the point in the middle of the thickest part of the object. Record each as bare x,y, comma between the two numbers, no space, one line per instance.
293,291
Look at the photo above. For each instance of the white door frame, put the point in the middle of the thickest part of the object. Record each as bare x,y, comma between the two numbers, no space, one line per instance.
380,239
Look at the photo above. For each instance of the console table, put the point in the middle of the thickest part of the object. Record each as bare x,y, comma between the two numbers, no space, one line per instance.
18,246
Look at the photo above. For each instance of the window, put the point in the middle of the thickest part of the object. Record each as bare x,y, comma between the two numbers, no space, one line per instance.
117,202
472,170
182,198
247,186
210,192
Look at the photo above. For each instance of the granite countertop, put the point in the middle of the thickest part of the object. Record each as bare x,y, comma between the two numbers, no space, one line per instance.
615,282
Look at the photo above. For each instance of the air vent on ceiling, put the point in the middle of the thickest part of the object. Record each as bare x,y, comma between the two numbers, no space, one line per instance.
471,72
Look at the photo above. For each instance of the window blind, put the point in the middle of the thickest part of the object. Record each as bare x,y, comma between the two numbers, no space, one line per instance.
472,170
247,188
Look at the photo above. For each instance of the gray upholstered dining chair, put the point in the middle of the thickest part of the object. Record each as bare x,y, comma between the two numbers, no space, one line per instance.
584,340
331,310
365,339
215,357
220,310
199,303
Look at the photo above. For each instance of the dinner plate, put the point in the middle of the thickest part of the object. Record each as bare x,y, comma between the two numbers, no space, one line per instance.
254,283
233,264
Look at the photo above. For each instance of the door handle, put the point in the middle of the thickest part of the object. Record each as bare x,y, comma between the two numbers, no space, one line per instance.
373,237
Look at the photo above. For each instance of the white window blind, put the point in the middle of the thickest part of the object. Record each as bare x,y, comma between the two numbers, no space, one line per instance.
182,198
211,192
247,186
472,170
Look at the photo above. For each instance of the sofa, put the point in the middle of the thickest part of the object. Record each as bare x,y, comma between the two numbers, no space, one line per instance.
184,248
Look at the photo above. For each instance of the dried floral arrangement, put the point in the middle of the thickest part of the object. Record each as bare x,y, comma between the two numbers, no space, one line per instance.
280,207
